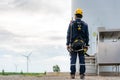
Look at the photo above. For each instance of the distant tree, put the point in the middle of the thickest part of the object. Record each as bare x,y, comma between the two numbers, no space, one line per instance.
45,72
56,68
3,72
21,72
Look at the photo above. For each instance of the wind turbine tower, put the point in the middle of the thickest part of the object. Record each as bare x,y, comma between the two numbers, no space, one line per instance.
27,58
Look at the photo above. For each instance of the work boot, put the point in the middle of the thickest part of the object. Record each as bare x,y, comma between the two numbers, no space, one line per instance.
72,76
82,76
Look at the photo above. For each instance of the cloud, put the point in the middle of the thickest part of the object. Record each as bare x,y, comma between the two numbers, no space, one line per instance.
40,5
33,6
58,59
15,43
6,35
62,61
36,26
21,31
20,43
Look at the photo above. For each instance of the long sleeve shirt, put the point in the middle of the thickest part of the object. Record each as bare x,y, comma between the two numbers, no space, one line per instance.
72,32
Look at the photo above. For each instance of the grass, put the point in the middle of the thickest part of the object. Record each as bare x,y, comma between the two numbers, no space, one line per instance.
25,74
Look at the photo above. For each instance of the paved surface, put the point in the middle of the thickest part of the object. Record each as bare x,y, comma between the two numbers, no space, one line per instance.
58,78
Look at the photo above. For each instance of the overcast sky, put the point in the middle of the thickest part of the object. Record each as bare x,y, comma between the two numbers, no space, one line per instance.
37,26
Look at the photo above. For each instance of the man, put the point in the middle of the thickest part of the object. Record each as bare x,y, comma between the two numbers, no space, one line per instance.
78,29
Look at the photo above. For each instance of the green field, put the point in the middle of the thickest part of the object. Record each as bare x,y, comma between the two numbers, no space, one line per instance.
21,73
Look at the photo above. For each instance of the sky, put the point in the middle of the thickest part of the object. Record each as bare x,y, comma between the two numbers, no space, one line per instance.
34,26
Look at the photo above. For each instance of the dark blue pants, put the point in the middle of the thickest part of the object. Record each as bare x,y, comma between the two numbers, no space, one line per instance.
81,62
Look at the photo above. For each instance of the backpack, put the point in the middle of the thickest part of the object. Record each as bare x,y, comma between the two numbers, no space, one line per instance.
78,43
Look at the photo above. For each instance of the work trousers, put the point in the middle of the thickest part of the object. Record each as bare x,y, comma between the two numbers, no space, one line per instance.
81,62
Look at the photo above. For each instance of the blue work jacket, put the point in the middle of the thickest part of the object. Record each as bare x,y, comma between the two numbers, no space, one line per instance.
72,32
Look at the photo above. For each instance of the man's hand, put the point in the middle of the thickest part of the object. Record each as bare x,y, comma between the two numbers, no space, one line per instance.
85,49
69,48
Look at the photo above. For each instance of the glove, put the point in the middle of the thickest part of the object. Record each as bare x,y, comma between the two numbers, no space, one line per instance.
85,49
69,48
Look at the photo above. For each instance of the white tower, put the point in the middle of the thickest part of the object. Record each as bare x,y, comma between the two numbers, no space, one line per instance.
98,13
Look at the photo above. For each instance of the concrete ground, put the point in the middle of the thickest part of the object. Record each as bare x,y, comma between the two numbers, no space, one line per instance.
86,78
53,77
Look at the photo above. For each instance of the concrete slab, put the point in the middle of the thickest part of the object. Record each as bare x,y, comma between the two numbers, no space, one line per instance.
55,77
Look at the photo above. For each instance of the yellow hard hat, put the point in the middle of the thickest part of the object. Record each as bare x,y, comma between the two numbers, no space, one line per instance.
79,11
